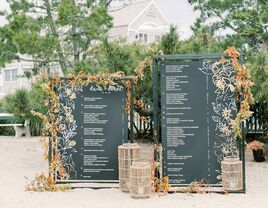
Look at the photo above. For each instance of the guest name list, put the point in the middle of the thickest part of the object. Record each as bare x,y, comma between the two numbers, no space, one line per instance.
186,126
102,126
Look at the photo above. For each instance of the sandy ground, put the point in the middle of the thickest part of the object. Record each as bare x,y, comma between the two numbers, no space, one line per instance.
22,158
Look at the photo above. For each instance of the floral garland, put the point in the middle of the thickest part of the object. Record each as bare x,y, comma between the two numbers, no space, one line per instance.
53,125
232,93
244,96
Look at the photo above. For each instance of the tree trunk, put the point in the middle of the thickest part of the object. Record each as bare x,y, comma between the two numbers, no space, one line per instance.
74,42
52,25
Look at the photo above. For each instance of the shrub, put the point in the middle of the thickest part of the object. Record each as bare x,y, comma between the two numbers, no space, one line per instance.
22,102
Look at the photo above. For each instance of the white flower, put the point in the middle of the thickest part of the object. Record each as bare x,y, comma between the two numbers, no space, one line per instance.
67,109
232,88
71,143
224,129
70,117
220,83
72,96
68,92
61,127
226,113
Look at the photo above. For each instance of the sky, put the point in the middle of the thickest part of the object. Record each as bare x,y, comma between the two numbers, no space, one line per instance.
178,12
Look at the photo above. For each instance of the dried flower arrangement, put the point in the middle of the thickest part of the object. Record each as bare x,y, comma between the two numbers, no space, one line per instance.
244,96
199,187
52,126
256,145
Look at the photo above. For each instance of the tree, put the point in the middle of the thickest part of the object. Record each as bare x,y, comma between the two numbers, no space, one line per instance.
18,104
52,31
170,41
202,41
247,20
22,102
258,70
257,66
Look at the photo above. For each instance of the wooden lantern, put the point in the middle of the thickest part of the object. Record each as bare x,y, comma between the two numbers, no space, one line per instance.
140,180
232,174
127,154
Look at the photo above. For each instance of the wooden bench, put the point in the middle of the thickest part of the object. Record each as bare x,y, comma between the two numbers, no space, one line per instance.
20,128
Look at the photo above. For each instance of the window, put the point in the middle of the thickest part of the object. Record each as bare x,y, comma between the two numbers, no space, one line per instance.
11,75
157,38
143,38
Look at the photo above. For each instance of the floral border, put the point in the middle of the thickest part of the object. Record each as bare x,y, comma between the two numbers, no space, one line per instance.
67,126
224,107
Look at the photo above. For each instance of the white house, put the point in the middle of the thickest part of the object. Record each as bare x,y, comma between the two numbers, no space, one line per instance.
12,77
140,21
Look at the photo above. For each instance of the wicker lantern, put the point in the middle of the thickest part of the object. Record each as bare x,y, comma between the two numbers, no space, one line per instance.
147,153
127,154
140,180
232,174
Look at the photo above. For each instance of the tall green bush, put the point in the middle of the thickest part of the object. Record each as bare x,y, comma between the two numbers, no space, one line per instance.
22,102
18,104
258,70
37,99
170,42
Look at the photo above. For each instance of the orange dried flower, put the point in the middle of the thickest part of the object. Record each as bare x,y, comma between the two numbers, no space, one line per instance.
256,145
232,52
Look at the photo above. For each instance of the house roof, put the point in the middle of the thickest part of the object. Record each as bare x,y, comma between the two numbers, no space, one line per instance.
124,16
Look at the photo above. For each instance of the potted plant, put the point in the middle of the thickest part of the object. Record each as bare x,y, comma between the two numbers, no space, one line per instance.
257,148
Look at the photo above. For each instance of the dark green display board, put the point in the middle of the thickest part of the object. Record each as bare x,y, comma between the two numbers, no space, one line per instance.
93,123
196,101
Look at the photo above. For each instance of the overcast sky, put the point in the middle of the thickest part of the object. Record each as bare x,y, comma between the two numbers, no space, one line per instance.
178,12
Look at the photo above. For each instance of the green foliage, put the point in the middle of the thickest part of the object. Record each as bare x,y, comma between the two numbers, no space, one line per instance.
18,104
35,33
22,102
247,19
7,48
258,70
114,56
117,57
37,99
170,41
201,42
7,131
90,67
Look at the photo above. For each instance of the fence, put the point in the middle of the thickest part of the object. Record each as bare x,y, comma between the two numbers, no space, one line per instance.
258,122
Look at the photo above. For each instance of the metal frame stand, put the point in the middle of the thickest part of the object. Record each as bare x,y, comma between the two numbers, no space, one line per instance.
157,122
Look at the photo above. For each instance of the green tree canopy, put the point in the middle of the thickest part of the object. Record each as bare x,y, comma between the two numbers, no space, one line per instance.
258,70
170,41
52,31
247,20
18,104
